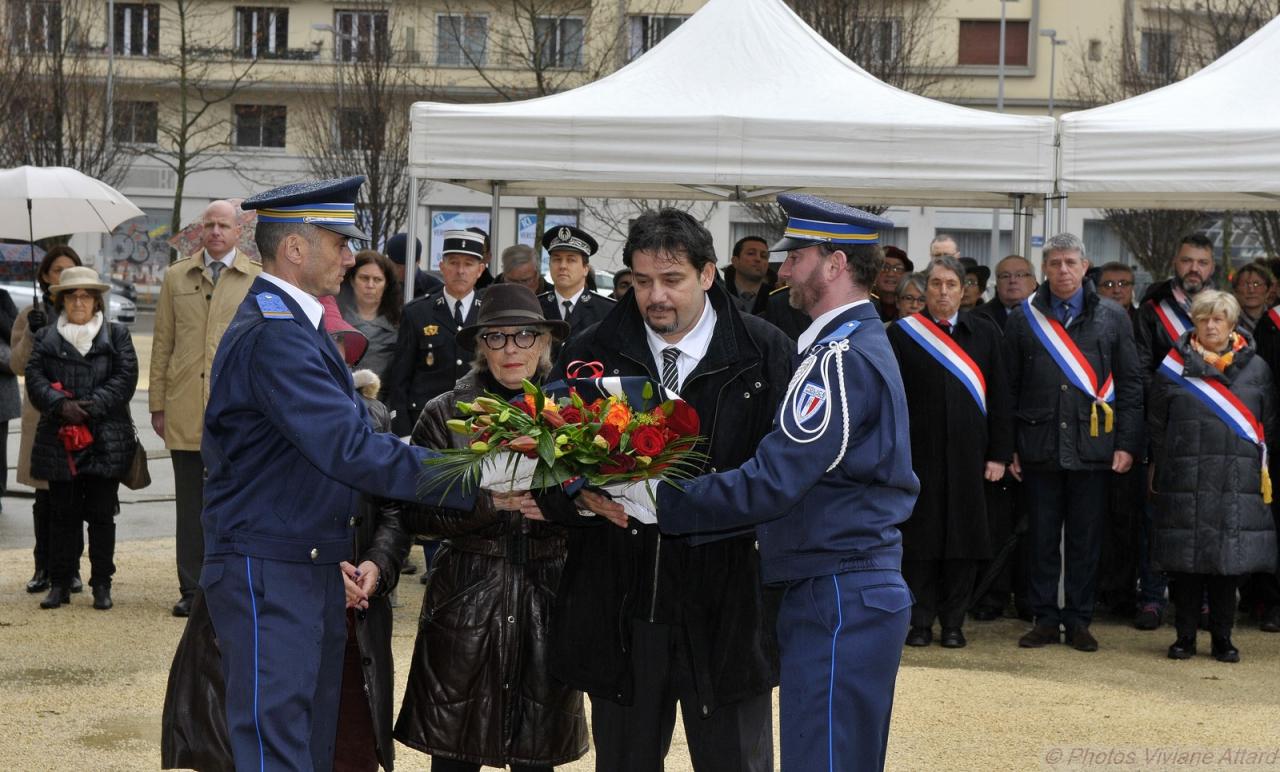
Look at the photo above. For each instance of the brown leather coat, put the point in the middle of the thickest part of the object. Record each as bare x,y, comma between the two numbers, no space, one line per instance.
479,687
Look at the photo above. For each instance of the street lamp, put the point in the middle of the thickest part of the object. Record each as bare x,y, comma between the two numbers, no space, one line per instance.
1000,60
1054,42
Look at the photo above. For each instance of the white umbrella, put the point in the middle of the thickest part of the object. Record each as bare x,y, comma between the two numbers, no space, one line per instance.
39,202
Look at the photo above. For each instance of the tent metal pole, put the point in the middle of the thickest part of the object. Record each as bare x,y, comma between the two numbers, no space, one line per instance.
1019,225
1062,213
496,192
411,245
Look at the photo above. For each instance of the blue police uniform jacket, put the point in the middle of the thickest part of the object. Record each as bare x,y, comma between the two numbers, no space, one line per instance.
286,443
829,485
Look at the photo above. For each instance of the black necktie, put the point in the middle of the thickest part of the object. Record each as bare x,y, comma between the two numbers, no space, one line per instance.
457,313
215,268
945,326
671,373
568,306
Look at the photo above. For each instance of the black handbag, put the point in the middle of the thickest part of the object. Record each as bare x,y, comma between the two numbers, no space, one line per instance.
137,476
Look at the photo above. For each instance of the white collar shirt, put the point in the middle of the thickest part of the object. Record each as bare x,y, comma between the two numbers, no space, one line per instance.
808,337
693,346
310,306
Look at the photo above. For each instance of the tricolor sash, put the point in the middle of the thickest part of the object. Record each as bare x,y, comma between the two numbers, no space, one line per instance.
1215,395
1173,318
948,353
1073,364
1274,313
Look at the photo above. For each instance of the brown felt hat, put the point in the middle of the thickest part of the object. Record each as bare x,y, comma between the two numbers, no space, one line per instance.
509,305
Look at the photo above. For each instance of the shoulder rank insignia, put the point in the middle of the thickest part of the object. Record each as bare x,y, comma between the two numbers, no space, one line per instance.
273,307
840,333
431,329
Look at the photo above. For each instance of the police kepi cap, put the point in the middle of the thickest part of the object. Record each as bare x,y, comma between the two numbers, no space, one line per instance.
812,220
569,237
328,204
463,242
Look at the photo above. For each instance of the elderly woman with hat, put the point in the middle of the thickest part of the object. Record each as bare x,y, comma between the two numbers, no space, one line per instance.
479,691
81,374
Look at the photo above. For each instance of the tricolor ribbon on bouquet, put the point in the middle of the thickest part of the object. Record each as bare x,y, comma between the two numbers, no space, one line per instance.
1215,395
948,353
1053,336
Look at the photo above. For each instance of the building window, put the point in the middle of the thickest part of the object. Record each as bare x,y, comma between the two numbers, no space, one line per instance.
353,126
460,40
261,33
879,40
362,35
35,25
137,29
980,43
645,32
1156,57
260,125
1095,50
136,122
558,42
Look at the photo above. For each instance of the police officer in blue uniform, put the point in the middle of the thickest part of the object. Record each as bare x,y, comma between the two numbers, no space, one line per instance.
826,491
288,450
571,299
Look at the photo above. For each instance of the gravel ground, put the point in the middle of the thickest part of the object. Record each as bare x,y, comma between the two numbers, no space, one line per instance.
82,689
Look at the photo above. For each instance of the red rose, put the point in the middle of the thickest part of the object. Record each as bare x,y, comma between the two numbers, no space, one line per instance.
648,440
611,435
571,415
683,419
619,463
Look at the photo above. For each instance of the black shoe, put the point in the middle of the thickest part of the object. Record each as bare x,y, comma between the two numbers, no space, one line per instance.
56,597
986,613
1081,639
422,579
102,597
1225,651
1148,617
1038,636
409,568
76,584
1270,619
953,638
1183,648
919,636
183,607
39,581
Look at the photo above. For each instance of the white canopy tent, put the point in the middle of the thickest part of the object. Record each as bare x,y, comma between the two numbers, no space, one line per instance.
742,101
1210,141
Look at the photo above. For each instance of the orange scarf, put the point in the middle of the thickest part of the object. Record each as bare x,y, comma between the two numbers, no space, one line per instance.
1220,361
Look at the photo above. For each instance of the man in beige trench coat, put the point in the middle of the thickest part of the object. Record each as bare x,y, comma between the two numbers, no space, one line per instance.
198,298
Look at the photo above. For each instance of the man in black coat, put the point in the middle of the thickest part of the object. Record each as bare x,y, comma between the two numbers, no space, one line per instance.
1162,317
961,436
427,361
644,620
781,314
1078,419
747,277
570,298
1015,281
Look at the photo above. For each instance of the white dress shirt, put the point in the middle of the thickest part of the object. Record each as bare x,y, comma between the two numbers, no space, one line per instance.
693,346
810,335
310,306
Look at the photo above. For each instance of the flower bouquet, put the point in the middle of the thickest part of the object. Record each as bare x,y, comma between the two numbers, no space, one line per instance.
582,431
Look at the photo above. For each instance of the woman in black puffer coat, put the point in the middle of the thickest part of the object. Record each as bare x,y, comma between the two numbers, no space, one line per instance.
81,375
1212,524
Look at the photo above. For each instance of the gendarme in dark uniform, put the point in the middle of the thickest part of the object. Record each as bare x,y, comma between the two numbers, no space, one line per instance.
288,449
585,307
428,362
826,491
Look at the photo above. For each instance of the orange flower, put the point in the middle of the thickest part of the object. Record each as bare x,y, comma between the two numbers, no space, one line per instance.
619,416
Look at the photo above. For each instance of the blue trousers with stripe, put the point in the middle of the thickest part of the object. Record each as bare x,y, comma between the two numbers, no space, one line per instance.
840,640
281,629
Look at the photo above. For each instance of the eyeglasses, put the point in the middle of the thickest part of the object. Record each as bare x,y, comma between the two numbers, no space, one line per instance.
911,298
1113,283
970,282
79,296
1251,284
894,268
498,340
1006,276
